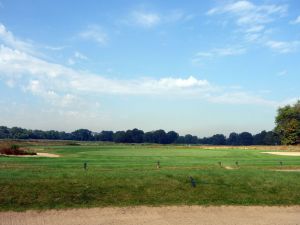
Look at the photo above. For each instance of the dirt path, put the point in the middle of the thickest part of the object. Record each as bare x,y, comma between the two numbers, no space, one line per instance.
181,215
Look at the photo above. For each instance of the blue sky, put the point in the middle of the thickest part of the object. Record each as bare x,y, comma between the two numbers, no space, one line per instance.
200,67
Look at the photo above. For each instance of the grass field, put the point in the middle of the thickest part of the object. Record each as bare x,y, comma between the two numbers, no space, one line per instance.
122,175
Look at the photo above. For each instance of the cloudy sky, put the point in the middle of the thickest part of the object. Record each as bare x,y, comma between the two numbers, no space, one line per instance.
200,67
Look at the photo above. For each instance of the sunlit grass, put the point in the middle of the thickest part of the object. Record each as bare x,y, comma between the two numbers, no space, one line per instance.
119,175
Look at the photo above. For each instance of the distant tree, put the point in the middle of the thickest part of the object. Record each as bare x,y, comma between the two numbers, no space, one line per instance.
258,139
19,133
160,137
105,136
180,140
271,138
148,137
65,136
218,139
120,137
233,139
52,135
4,132
190,139
172,137
82,135
128,136
37,134
203,141
137,136
245,138
288,124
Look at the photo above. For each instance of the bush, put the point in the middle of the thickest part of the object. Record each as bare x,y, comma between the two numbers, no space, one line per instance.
15,150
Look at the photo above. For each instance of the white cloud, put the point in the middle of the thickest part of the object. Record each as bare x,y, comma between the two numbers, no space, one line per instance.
145,19
9,39
94,33
218,52
10,83
77,56
282,46
182,83
241,98
150,19
240,6
296,21
247,13
282,73
66,87
255,29
19,65
253,21
56,48
229,51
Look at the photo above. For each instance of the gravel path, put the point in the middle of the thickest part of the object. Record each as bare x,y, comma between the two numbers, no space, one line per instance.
173,215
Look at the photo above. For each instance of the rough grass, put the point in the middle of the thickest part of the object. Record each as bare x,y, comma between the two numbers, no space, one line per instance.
122,175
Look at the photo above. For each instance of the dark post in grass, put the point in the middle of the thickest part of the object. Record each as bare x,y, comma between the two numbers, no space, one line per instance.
85,166
158,165
193,182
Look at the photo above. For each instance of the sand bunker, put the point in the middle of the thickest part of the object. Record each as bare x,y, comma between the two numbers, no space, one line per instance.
284,153
38,154
288,170
44,154
229,168
175,215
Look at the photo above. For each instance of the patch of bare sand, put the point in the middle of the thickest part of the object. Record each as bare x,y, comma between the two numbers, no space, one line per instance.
38,154
284,153
44,154
288,170
173,215
229,168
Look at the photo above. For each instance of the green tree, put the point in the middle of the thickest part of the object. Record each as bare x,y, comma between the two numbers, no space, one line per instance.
82,135
288,124
233,139
245,138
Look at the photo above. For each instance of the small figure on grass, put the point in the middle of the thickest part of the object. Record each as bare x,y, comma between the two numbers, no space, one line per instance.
237,164
85,166
220,164
281,163
158,165
193,182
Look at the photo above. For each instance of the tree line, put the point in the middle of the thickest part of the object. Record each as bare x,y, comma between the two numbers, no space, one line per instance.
139,136
287,132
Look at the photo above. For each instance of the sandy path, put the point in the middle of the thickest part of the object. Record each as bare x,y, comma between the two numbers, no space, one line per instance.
284,153
181,215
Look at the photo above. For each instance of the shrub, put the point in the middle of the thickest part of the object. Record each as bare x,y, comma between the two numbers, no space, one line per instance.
15,150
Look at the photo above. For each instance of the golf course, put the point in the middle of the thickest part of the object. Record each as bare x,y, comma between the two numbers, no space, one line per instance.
95,174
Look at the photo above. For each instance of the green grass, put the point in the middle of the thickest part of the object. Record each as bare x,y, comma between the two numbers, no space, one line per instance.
122,175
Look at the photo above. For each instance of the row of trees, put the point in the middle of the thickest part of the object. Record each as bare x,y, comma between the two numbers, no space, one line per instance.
139,136
287,131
